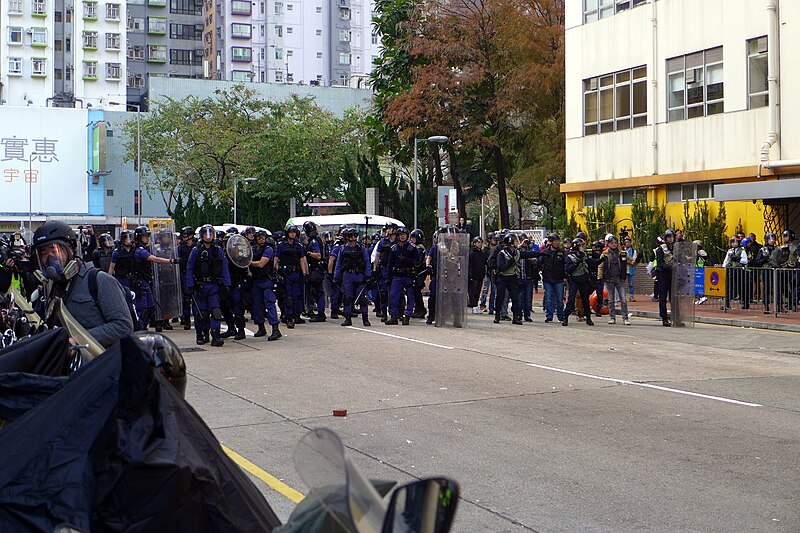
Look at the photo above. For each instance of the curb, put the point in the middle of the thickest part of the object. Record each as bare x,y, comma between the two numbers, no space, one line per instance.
726,322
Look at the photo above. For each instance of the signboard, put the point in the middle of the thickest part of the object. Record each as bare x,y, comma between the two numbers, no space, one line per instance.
699,281
43,160
714,281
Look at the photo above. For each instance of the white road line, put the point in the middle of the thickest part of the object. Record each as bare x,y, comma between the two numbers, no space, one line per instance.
403,338
646,385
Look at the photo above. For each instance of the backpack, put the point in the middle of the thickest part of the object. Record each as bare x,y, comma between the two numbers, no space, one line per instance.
93,272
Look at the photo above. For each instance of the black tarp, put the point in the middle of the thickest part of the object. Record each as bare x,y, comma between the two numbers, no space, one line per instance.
44,354
118,449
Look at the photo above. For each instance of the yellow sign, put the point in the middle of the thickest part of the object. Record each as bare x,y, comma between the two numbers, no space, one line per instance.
159,223
715,281
124,223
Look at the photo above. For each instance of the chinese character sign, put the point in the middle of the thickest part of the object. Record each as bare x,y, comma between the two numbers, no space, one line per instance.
43,157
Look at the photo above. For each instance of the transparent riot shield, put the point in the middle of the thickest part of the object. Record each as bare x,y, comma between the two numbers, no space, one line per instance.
166,276
683,279
239,251
452,275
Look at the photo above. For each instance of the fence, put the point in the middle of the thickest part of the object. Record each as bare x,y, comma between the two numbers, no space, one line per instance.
774,291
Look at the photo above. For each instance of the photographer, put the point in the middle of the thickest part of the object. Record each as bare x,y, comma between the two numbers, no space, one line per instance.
15,268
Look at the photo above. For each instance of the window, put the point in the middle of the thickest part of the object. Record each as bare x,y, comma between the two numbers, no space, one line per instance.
189,32
695,85
113,71
136,53
15,6
113,41
757,72
155,3
289,53
135,24
241,7
112,11
319,33
289,7
58,45
157,25
186,7
588,199
279,53
240,31
278,31
689,192
68,44
38,66
15,65
344,59
344,13
289,77
343,80
262,8
135,80
600,9
242,75
279,76
241,54
319,55
376,39
157,53
90,70
344,36
319,9
58,73
90,40
289,29
90,10
614,102
39,8
109,192
279,8
15,35
39,37
185,57
620,197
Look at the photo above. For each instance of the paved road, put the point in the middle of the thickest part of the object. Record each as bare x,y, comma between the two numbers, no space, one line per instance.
542,425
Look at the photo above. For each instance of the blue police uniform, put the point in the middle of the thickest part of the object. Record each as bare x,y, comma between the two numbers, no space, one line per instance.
208,273
289,256
141,278
384,249
336,290
264,287
316,275
433,253
183,259
403,259
352,270
233,308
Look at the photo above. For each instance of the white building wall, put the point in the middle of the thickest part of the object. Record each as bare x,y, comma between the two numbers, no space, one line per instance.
625,40
98,92
26,88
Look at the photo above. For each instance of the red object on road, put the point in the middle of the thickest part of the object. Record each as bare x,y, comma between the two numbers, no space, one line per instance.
340,412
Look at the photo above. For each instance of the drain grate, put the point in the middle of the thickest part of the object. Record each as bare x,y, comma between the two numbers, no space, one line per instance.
192,349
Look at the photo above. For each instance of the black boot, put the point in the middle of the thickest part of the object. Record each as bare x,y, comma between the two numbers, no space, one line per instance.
666,323
230,332
406,320
159,326
240,335
187,323
319,317
262,331
365,319
299,320
565,322
290,323
334,314
589,320
215,338
201,340
517,320
430,320
276,333
167,326
347,321
391,321
206,336
239,322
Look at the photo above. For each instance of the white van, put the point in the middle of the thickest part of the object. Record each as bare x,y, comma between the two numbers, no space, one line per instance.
368,224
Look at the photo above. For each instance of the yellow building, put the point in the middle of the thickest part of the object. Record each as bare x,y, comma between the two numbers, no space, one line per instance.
681,100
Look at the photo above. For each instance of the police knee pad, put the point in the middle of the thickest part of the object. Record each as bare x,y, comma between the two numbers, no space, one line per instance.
216,313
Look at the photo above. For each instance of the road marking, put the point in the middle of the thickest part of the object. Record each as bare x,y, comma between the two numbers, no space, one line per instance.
273,482
645,385
403,338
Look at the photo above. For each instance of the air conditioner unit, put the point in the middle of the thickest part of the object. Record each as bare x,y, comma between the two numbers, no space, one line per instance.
29,31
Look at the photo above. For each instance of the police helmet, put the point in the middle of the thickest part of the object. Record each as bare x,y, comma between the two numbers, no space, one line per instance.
402,229
476,240
789,233
612,238
327,235
419,235
350,232
292,228
232,230
249,230
595,244
448,228
508,240
280,235
310,228
126,234
221,234
187,231
261,233
390,225
207,229
376,236
553,237
567,241
578,241
734,238
770,238
105,240
669,233
491,236
165,356
581,235
140,232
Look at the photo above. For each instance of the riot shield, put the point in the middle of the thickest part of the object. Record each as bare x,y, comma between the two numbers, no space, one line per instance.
452,275
683,274
239,251
166,276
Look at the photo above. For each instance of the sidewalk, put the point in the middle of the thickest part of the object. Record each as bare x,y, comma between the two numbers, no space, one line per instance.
710,313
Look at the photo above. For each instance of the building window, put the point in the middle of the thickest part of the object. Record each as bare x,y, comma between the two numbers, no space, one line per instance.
136,53
289,77
344,36
695,85
38,66
157,25
344,13
90,70
90,40
39,8
135,24
112,11
279,76
15,65
113,71
241,7
242,75
59,74
344,81
109,192
600,9
689,192
289,29
757,72
241,54
279,53
319,33
58,45
614,102
589,199
241,31
68,44
113,41
279,8
319,9
187,32
319,55
15,7
90,10
278,31
289,7
376,39
289,53
39,37
15,35
136,203
344,59
624,196
186,7
135,80
185,57
157,53
262,8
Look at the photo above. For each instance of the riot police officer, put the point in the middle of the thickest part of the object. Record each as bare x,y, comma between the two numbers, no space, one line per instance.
507,282
263,269
316,269
417,238
208,275
184,249
663,263
404,258
290,262
335,288
764,260
101,257
234,305
581,280
380,268
353,268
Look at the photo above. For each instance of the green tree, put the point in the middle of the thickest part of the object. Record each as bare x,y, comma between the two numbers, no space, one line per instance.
710,230
600,220
649,223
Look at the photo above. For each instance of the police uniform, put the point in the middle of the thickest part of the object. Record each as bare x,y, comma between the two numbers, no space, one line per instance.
184,250
580,282
101,258
402,264
289,256
316,275
233,306
264,298
384,248
335,288
208,276
352,270
141,279
663,264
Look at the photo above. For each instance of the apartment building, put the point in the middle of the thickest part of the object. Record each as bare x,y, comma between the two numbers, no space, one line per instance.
684,100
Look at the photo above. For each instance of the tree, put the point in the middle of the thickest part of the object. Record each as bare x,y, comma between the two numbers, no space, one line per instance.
710,230
649,223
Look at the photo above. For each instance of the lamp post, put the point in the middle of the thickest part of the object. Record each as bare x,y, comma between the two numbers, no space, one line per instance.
30,193
437,139
138,154
235,193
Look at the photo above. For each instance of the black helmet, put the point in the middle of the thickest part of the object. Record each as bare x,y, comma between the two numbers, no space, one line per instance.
231,230
310,228
187,231
612,238
376,236
553,237
292,228
350,232
249,229
509,240
390,225
595,244
567,241
491,235
402,229
54,230
327,235
220,234
280,235
770,237
447,228
126,233
419,235
578,241
270,241
165,356
106,240
669,233
140,232
476,240
207,229
788,233
580,235
261,233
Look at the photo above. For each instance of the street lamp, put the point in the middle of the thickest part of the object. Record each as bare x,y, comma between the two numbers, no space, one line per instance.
436,139
30,192
138,154
235,192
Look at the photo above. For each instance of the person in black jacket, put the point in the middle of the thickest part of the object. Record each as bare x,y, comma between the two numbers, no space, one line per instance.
477,270
508,261
580,280
551,261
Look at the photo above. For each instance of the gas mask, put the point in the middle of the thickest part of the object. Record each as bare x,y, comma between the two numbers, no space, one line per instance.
56,261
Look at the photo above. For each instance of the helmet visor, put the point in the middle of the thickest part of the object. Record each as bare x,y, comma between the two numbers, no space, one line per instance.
54,254
207,231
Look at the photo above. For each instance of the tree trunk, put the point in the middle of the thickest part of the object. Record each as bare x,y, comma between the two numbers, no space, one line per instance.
502,195
437,161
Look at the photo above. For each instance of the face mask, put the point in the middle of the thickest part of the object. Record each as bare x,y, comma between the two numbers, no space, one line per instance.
55,262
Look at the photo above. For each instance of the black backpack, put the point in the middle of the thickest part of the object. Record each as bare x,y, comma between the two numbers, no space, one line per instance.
93,272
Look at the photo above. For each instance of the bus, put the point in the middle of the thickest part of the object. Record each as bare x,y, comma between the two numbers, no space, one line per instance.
365,224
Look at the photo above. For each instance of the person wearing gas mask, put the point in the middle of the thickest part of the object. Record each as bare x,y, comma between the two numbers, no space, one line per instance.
106,318
207,270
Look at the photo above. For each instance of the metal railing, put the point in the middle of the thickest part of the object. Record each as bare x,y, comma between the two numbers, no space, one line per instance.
774,291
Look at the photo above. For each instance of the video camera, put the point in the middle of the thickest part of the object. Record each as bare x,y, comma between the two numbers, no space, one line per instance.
16,255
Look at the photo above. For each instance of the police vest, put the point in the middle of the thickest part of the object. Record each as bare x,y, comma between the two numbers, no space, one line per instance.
124,263
208,264
183,255
102,259
735,260
314,264
142,269
580,260
405,258
353,259
384,249
512,263
291,255
265,271
668,257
